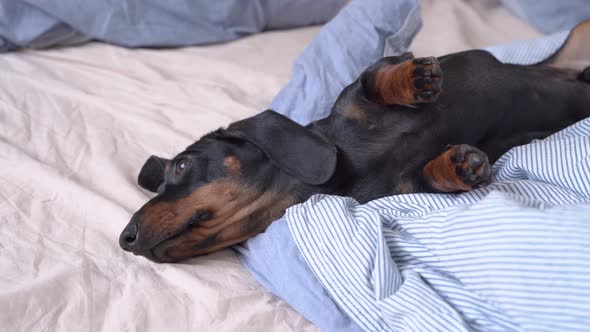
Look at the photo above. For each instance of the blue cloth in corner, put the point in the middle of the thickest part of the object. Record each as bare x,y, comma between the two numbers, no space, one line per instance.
550,16
151,23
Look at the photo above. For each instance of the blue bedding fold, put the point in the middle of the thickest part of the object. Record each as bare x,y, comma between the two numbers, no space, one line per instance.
151,23
509,257
550,16
343,48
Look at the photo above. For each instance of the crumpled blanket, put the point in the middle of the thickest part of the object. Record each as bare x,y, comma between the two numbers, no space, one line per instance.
151,23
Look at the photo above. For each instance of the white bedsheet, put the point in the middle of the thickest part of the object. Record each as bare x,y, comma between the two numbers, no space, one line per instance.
75,127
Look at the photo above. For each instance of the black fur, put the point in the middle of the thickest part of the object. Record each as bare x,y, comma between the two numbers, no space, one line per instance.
151,176
306,155
484,103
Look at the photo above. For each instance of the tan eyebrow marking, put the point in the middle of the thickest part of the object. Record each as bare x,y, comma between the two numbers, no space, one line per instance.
232,165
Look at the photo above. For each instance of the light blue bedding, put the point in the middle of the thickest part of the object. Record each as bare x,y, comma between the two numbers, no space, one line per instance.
550,16
513,256
153,23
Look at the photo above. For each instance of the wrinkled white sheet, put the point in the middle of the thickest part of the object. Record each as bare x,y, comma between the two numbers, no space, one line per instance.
75,127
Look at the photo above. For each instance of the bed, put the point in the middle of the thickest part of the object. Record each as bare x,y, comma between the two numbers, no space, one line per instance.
76,124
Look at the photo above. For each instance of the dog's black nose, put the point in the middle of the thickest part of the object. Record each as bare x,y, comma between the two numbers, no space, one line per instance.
128,238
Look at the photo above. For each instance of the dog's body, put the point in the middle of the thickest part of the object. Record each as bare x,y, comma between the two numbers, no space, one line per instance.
485,104
387,134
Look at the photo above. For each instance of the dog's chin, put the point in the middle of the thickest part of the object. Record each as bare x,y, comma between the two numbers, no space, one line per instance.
160,254
167,253
154,256
174,250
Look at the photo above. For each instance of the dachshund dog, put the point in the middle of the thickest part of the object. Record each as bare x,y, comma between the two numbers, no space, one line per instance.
406,125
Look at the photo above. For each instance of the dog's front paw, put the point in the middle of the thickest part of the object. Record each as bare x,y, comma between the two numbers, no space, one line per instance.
427,79
459,168
472,166
409,82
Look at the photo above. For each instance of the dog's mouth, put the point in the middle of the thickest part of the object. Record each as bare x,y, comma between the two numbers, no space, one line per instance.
158,255
163,251
170,251
184,245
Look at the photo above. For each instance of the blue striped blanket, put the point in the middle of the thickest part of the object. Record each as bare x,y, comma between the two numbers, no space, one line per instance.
514,256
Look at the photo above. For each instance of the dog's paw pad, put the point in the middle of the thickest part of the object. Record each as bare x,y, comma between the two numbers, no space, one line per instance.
472,166
427,79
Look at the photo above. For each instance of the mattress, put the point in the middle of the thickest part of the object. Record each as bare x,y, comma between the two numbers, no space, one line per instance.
76,124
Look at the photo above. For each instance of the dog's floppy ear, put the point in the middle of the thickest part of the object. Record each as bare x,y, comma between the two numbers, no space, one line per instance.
151,175
292,147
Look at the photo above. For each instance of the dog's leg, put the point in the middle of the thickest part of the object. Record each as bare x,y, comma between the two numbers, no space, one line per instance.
409,82
460,168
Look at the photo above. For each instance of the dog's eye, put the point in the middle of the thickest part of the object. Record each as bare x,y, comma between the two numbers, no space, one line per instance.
181,165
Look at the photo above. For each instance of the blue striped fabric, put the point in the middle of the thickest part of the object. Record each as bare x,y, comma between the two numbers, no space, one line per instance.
514,256
531,51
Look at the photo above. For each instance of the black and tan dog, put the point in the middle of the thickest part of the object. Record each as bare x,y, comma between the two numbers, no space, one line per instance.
399,128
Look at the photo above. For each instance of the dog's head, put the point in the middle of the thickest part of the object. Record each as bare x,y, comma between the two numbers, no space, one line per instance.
226,187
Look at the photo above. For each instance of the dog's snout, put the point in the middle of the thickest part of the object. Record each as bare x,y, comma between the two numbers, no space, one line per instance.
128,238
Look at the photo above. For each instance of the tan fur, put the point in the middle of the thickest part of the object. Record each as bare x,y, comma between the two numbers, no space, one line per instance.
393,84
232,205
442,176
354,112
232,165
406,187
